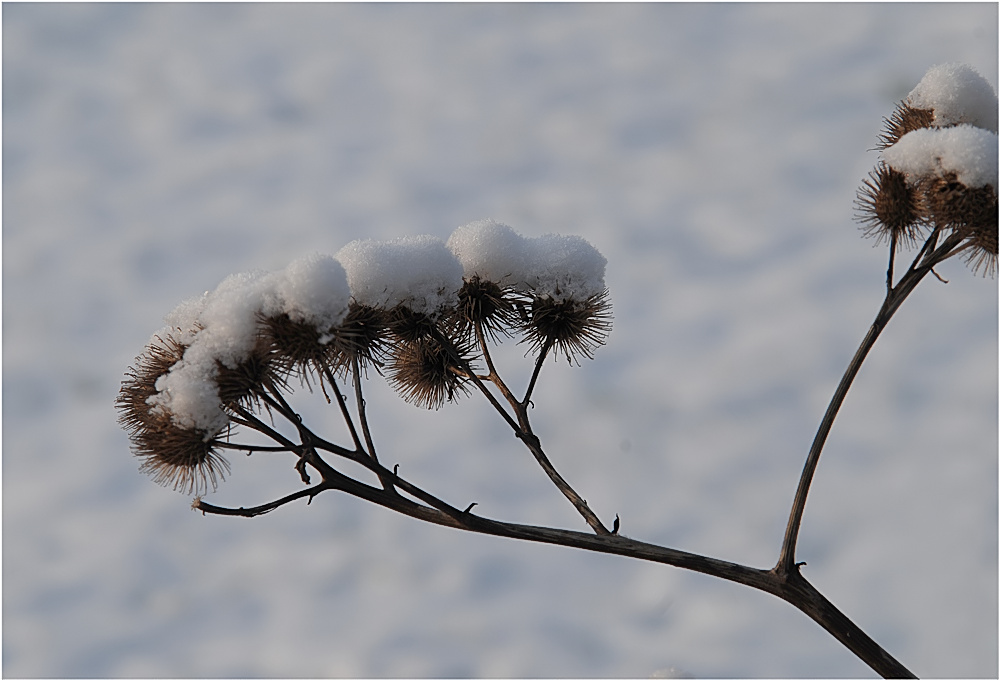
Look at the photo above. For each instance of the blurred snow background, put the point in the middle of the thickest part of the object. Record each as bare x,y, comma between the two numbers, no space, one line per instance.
711,152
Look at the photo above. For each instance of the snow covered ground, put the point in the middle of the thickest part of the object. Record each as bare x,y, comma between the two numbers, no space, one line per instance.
711,153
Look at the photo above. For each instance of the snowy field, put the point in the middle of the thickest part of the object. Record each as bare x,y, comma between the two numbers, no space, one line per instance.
711,152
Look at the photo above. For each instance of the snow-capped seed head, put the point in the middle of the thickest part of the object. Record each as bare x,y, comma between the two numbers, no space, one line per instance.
564,268
491,251
888,207
418,272
423,372
159,355
573,326
968,152
172,455
957,94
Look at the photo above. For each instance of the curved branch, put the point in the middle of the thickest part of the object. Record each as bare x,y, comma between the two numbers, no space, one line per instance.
923,263
791,588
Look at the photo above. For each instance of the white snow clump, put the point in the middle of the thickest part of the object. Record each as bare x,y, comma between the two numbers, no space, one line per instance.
492,251
565,268
419,272
548,266
957,94
967,151
423,273
221,327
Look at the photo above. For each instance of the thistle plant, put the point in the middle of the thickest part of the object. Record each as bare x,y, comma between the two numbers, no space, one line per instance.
425,314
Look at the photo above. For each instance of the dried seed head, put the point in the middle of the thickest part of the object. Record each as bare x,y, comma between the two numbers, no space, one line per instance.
297,348
364,334
244,383
424,373
140,381
488,304
953,205
970,212
572,326
889,207
904,119
407,326
182,457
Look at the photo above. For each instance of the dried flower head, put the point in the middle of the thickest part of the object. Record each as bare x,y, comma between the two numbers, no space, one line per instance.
485,303
970,212
364,334
575,327
953,205
182,457
244,383
297,347
888,207
407,325
426,372
904,119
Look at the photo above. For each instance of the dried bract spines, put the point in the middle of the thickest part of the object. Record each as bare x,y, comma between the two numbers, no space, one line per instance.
888,207
904,119
489,306
573,327
427,372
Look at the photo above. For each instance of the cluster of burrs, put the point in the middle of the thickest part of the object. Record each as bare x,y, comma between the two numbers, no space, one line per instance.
937,175
418,310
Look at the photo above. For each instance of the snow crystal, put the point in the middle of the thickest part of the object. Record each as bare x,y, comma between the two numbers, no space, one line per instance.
419,272
967,151
565,267
957,94
491,250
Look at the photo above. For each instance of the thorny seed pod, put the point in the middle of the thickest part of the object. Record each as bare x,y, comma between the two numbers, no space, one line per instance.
904,119
488,304
424,373
952,205
408,326
889,207
182,457
297,347
572,326
969,211
140,381
243,384
363,335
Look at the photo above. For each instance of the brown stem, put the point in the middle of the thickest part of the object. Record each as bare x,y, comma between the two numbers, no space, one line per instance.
791,587
926,259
